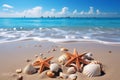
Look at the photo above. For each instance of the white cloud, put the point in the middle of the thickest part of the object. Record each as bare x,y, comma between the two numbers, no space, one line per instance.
7,6
64,10
97,11
37,12
75,11
34,12
91,11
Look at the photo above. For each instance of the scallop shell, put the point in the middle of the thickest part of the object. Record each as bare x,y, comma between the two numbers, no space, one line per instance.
63,58
73,77
71,70
29,69
50,74
54,67
63,75
92,70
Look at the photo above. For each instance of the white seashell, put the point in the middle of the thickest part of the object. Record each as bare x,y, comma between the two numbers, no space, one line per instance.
18,70
92,70
29,69
63,49
88,56
63,58
63,75
54,67
72,76
71,70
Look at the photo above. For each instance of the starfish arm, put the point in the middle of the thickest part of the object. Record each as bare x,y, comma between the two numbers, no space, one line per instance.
78,64
82,54
69,61
69,54
84,62
41,67
47,60
46,64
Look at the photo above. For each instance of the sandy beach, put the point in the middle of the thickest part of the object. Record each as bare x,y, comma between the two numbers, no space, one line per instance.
13,56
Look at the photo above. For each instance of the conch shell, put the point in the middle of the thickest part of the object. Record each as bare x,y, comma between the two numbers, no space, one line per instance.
63,58
92,70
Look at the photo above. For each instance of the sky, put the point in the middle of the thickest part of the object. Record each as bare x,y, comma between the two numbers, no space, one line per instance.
60,8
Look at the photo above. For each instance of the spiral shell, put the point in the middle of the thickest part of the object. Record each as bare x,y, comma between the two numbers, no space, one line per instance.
92,70
50,74
71,70
54,67
63,58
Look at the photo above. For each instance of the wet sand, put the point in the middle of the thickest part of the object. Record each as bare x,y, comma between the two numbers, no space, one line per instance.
14,55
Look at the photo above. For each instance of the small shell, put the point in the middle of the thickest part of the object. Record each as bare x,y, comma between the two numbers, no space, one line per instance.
95,62
92,70
54,67
63,75
88,56
50,74
29,69
18,70
63,58
63,49
71,70
72,77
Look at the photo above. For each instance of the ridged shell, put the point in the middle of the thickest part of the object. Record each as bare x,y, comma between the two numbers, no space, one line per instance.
63,58
72,76
54,67
92,70
50,74
71,70
29,69
63,75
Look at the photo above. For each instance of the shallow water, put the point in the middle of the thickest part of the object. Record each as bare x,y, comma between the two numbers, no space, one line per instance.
106,30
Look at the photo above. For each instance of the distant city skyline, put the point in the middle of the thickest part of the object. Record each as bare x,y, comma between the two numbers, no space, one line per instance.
59,8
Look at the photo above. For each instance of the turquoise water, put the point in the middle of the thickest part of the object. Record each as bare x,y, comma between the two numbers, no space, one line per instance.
60,29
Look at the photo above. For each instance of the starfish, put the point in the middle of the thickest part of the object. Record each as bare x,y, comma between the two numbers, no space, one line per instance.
42,63
77,59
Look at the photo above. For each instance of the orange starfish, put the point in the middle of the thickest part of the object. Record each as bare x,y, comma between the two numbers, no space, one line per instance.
42,63
77,59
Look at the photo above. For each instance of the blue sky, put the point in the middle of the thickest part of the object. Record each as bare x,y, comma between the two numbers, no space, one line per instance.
76,8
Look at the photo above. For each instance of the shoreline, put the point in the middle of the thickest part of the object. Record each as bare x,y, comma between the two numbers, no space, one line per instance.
13,55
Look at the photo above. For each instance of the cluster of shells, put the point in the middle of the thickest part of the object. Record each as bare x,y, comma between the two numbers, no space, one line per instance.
94,68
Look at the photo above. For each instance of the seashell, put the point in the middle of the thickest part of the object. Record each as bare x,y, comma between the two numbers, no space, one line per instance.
50,74
19,77
63,75
71,70
63,58
18,70
72,77
96,62
63,49
29,69
92,70
54,67
88,56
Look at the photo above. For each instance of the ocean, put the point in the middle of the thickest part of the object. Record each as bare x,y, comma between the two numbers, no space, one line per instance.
104,30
